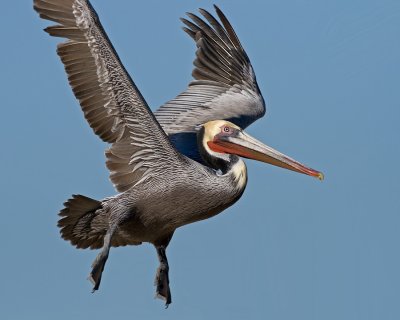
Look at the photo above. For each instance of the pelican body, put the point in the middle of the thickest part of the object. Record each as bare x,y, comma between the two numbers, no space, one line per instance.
177,166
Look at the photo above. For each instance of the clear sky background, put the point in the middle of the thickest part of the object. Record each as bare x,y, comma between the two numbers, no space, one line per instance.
292,247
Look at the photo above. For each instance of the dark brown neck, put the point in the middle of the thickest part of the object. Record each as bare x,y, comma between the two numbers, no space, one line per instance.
217,161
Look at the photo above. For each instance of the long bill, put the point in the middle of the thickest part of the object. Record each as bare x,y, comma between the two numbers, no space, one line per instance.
246,146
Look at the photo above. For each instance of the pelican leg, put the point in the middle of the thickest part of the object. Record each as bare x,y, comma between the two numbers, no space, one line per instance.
162,279
100,261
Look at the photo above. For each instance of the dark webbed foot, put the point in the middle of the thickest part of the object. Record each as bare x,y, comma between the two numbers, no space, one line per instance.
99,263
162,279
97,270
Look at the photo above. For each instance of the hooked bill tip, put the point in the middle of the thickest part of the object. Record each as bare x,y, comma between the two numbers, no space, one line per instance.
320,176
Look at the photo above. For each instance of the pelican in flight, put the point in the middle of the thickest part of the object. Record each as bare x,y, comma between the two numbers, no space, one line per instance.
176,166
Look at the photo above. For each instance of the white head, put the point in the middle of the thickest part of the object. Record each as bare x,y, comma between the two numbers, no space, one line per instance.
220,142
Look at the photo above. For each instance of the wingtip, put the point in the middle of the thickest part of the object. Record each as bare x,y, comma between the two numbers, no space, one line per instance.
190,15
216,8
206,14
189,32
35,4
219,12
201,10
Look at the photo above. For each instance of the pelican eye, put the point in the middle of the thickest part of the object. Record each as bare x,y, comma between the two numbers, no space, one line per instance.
226,129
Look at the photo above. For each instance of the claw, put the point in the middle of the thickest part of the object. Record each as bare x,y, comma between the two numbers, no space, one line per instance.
99,263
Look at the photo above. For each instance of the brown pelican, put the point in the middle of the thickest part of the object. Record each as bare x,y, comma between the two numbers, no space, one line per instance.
176,167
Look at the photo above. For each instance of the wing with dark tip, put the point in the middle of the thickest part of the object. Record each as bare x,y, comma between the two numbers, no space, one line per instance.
110,101
224,85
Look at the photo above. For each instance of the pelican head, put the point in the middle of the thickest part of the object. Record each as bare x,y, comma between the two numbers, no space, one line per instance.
220,139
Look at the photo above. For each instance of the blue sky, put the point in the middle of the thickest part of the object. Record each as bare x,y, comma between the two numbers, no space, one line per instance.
292,247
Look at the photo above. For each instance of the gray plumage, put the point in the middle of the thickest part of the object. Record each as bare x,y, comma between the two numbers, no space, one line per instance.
160,188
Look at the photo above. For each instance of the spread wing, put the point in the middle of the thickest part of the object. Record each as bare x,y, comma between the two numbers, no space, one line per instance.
224,85
110,101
